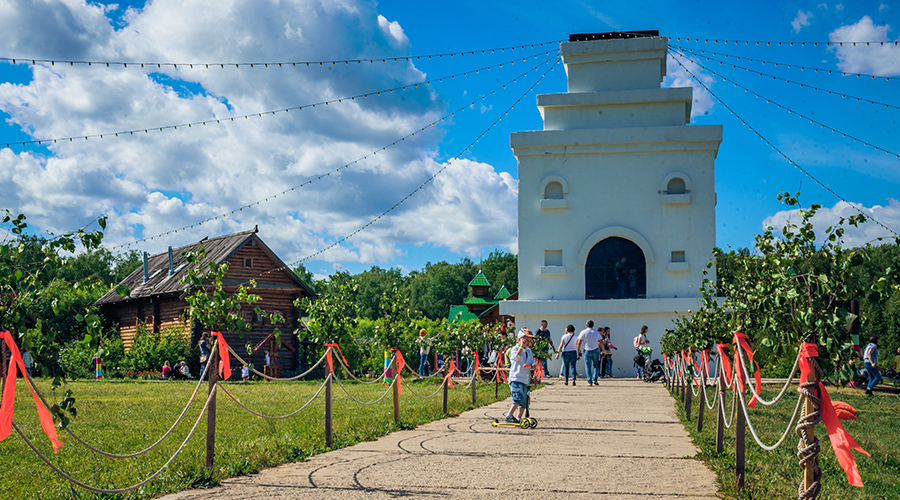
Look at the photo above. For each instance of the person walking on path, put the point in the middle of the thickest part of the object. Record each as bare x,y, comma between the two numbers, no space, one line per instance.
589,343
521,360
870,359
640,343
544,333
607,372
569,353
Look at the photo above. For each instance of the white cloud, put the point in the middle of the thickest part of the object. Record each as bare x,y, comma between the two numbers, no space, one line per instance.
154,182
883,7
801,20
839,7
677,76
874,59
868,232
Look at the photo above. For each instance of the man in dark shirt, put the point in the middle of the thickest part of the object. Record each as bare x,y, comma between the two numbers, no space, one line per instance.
544,333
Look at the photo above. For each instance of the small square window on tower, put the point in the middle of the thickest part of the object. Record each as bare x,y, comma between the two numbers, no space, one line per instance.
677,255
553,257
248,262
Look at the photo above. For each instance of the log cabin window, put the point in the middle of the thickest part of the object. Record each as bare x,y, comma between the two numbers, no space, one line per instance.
248,262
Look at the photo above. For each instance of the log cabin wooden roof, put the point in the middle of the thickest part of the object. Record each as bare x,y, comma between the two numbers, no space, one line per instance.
218,250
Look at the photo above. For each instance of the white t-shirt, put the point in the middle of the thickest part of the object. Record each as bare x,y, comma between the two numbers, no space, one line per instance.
873,355
590,339
567,344
518,358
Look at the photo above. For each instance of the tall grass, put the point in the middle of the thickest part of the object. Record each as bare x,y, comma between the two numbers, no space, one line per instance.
123,417
777,474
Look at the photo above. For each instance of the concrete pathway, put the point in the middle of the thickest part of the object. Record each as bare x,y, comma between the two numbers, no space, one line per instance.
621,439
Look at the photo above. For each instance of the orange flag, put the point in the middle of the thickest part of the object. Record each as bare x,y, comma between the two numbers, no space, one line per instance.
9,398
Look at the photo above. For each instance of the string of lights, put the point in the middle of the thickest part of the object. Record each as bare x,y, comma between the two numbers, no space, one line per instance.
777,63
427,181
791,111
778,43
260,114
774,147
434,123
273,64
802,85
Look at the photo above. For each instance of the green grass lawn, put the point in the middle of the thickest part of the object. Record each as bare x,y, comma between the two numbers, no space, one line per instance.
124,417
777,474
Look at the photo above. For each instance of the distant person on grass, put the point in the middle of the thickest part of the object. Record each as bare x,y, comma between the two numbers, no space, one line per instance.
521,360
166,370
897,364
28,361
424,349
870,359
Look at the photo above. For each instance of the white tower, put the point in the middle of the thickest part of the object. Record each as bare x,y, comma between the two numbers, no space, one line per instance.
616,197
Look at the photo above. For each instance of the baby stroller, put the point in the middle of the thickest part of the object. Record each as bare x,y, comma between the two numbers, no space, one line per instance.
654,372
642,361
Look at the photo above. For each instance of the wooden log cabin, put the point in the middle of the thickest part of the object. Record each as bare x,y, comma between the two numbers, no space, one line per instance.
156,291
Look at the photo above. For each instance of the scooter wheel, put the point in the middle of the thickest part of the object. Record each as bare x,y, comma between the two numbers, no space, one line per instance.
495,423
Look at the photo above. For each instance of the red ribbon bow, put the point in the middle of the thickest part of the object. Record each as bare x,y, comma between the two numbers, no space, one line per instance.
740,338
9,398
475,371
448,377
328,356
841,441
224,358
723,359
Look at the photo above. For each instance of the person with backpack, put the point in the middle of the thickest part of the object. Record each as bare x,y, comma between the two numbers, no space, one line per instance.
569,353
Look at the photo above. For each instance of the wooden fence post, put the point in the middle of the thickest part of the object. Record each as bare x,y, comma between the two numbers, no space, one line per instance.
474,387
212,371
329,380
809,454
446,390
688,394
397,398
720,420
702,407
739,434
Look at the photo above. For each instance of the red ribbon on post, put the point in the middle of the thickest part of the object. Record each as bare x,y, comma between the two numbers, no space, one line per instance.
450,368
9,397
726,365
500,356
224,358
475,370
841,441
328,356
740,338
400,364
704,360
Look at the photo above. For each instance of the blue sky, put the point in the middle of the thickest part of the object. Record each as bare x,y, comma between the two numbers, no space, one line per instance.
159,182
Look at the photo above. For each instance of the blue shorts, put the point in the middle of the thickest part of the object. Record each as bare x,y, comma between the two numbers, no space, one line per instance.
519,393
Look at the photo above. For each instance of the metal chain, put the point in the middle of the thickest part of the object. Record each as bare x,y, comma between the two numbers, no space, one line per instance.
282,417
341,384
127,488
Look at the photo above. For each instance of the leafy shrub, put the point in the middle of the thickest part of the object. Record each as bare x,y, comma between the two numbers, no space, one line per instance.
150,350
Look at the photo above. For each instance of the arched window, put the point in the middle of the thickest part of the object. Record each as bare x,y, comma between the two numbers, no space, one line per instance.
553,191
676,185
615,269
